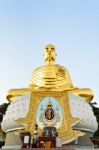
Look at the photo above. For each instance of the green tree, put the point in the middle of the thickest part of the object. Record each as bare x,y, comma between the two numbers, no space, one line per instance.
3,109
96,113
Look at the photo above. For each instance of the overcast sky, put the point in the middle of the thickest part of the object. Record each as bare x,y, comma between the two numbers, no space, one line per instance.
26,26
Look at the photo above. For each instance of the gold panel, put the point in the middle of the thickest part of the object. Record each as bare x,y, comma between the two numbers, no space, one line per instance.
65,131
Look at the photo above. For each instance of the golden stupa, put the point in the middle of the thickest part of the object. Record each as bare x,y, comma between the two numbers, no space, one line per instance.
51,80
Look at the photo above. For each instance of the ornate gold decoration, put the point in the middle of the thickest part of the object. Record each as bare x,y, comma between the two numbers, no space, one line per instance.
65,131
86,93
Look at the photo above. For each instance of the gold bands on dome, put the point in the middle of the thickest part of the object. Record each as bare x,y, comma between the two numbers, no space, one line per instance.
51,76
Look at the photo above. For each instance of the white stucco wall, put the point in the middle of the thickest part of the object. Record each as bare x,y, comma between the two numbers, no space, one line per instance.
81,109
78,107
17,109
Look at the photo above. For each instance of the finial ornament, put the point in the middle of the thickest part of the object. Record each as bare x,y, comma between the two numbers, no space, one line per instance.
49,54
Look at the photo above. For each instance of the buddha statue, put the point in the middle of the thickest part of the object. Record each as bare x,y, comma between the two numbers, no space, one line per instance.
51,77
70,112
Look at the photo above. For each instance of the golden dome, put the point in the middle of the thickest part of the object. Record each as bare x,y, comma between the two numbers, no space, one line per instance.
51,76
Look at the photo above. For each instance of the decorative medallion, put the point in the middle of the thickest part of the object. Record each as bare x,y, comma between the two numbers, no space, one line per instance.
49,113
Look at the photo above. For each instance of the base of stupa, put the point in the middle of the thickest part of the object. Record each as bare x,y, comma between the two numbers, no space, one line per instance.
14,147
76,148
83,141
13,141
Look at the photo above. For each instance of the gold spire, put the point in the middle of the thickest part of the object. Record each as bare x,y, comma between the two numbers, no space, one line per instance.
49,54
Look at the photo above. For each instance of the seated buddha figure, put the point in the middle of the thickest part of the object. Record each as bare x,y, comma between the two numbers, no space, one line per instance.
28,105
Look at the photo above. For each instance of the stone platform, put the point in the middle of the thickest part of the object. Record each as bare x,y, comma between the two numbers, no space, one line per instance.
47,149
78,148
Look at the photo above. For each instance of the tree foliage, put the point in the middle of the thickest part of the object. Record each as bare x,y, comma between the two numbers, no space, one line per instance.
3,109
96,113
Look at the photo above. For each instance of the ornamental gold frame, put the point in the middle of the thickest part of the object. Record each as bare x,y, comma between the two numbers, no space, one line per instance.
65,131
